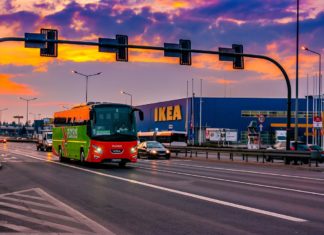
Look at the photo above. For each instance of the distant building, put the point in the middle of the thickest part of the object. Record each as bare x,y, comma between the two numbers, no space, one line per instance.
228,113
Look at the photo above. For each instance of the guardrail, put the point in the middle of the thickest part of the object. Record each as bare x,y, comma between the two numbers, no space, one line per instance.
22,140
302,157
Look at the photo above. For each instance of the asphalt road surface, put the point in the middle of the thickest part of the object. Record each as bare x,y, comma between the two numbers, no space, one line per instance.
38,194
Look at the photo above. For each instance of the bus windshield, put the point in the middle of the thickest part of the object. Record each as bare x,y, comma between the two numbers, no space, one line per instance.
113,122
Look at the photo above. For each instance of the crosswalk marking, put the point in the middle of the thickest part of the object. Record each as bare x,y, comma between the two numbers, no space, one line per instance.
35,211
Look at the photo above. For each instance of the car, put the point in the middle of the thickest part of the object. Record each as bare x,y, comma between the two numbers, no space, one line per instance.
317,148
152,149
3,140
301,146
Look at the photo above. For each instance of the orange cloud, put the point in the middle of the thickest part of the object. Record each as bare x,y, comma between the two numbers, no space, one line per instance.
225,81
9,87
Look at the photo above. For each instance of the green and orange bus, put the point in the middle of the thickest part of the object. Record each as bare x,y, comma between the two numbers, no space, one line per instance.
96,132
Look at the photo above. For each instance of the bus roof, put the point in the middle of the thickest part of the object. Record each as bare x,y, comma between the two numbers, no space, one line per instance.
81,112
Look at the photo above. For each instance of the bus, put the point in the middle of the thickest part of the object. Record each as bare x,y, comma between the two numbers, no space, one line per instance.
167,138
97,132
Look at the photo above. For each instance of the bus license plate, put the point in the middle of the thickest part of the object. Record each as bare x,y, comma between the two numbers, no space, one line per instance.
115,160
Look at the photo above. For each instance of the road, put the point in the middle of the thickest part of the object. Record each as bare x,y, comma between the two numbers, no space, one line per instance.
38,194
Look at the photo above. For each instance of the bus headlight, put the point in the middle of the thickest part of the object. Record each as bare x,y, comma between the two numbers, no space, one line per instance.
97,149
167,151
133,150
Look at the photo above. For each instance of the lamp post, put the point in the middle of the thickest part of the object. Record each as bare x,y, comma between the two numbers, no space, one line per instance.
27,101
297,76
319,79
1,114
87,78
131,96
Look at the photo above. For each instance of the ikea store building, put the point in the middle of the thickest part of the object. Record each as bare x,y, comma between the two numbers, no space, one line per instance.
226,113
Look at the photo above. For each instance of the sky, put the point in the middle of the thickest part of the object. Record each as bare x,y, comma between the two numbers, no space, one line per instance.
266,27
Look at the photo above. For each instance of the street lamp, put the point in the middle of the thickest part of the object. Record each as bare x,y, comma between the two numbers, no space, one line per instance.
27,101
319,68
87,78
131,96
319,77
1,114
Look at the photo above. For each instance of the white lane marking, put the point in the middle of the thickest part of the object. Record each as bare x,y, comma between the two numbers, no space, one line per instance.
37,211
216,201
30,202
40,222
77,215
29,196
245,171
18,228
234,181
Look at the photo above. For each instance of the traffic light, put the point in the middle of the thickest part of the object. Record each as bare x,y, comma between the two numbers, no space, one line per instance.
238,61
111,45
174,50
50,49
185,56
122,52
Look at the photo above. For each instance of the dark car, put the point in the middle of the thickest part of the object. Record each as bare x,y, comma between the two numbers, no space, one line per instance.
318,149
152,149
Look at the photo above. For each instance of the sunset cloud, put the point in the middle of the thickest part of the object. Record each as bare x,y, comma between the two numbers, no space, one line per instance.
8,87
262,27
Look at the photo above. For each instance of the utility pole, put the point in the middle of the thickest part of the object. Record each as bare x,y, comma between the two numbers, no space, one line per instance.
27,101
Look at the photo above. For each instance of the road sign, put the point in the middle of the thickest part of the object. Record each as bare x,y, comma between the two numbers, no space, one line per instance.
35,40
238,61
261,118
260,126
168,53
223,57
185,56
317,122
111,45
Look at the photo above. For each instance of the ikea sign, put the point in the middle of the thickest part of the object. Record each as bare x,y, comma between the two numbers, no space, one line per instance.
168,113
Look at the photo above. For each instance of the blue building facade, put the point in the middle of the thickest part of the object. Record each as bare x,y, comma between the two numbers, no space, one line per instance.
230,113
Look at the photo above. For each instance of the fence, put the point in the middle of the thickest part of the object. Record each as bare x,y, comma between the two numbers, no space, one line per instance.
302,157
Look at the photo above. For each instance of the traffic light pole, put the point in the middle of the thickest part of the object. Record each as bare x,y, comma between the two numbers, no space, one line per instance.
177,50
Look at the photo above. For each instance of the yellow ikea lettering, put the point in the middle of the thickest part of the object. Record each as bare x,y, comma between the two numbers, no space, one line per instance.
177,113
162,114
156,114
169,113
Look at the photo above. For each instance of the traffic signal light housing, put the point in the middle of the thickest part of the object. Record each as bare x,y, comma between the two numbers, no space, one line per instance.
238,61
122,52
50,49
185,56
111,45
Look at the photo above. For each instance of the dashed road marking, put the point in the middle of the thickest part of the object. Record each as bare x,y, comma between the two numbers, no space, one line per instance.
35,211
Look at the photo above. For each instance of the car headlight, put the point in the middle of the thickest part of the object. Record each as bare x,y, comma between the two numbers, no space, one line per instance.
153,152
133,150
167,151
97,149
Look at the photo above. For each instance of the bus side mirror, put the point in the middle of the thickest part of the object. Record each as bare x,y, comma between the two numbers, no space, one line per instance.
140,112
93,116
